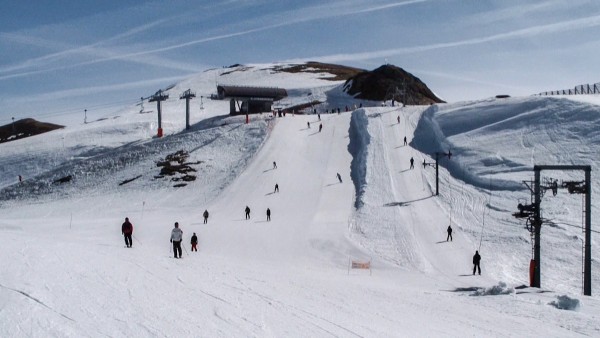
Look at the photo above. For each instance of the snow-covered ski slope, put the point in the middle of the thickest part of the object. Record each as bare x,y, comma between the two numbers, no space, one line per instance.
65,270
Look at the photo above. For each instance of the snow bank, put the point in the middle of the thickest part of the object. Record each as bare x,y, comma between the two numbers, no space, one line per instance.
358,148
500,289
565,303
495,143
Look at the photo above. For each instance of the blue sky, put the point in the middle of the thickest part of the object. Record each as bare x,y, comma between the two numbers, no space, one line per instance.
59,57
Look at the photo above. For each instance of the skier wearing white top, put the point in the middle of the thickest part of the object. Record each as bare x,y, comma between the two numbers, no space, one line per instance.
176,236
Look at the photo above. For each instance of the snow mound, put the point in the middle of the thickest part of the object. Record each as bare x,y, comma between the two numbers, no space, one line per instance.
565,303
358,147
500,289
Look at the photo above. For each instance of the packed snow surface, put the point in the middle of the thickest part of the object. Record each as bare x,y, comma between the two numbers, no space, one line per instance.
67,273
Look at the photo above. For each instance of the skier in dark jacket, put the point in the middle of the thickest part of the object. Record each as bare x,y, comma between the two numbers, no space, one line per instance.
320,127
339,177
276,188
194,242
205,215
405,140
268,214
127,231
247,210
449,230
412,163
476,260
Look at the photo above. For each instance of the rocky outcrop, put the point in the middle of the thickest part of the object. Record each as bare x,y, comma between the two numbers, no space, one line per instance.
390,82
25,128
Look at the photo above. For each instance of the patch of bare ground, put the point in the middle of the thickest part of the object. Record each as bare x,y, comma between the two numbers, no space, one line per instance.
25,128
340,72
175,166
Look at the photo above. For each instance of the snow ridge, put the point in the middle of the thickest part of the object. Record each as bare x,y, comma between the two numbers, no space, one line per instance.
358,148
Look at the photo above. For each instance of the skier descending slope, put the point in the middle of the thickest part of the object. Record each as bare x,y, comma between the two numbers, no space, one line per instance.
176,236
476,260
127,231
247,210
194,242
205,215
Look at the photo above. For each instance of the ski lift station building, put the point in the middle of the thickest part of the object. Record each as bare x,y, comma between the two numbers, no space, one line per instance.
250,100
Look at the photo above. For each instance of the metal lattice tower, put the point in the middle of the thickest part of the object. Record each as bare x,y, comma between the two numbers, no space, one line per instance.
533,212
159,97
187,95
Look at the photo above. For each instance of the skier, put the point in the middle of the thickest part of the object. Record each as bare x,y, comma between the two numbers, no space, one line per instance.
205,214
320,127
247,212
20,179
268,214
412,163
176,236
194,242
476,260
404,140
339,177
127,231
274,165
319,116
449,230
398,119
276,188
308,124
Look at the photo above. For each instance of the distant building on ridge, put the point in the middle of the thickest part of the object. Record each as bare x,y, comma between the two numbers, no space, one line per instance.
250,100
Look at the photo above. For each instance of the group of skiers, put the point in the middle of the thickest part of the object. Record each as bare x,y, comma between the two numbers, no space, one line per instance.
177,233
476,257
